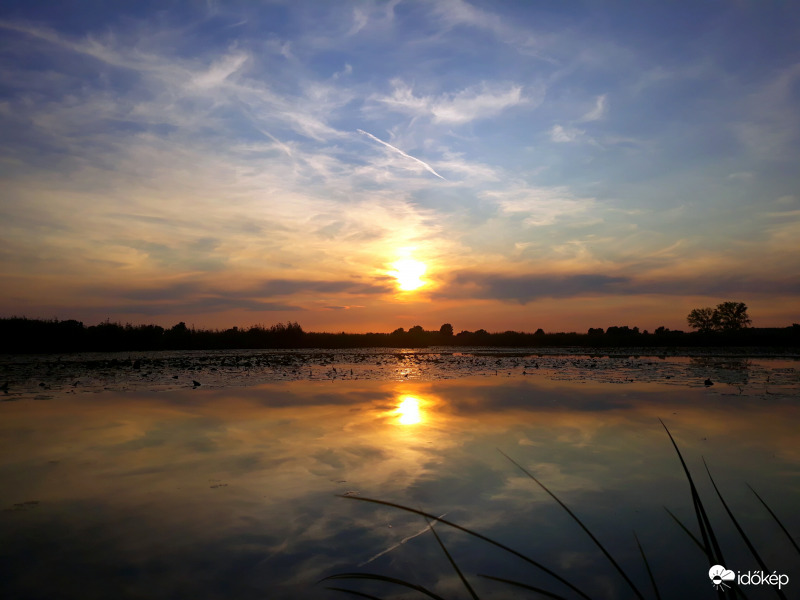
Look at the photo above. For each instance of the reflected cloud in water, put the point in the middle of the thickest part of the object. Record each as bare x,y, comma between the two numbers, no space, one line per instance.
227,493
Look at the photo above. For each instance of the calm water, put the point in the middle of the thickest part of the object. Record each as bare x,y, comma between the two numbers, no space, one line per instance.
137,485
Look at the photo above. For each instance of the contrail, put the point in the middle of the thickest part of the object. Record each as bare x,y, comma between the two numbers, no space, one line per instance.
423,163
283,146
404,540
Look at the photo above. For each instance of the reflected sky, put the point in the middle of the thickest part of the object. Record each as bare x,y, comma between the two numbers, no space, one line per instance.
234,493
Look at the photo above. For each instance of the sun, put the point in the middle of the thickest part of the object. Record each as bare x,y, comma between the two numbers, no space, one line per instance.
408,273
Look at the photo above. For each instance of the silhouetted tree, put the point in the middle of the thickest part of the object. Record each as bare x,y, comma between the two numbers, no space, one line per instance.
702,319
732,316
180,328
446,329
416,329
727,316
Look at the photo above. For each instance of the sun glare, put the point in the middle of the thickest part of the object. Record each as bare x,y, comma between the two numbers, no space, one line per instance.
408,411
409,274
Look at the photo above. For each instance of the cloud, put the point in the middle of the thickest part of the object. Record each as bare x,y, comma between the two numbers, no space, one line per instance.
539,206
285,287
458,13
526,288
599,110
562,134
207,297
769,125
270,288
425,165
347,70
472,103
210,304
220,70
480,103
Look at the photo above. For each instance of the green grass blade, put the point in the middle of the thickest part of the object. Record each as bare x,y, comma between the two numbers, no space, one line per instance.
524,586
486,539
746,539
710,543
689,533
774,516
354,593
453,562
384,578
647,566
579,522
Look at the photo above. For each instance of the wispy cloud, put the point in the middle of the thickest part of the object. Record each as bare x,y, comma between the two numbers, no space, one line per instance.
769,123
220,70
598,111
562,134
457,108
539,207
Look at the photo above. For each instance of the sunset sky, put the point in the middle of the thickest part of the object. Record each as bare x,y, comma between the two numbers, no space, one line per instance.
551,164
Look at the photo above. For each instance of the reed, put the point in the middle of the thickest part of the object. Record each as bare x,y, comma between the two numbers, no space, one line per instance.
707,542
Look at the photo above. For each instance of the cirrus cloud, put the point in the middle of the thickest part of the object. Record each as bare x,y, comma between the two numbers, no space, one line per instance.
481,101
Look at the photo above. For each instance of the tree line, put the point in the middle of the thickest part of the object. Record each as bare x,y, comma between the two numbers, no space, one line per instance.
19,335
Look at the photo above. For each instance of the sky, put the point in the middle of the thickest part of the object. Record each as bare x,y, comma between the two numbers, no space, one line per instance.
550,164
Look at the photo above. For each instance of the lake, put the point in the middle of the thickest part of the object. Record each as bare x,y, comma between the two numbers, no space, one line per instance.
237,474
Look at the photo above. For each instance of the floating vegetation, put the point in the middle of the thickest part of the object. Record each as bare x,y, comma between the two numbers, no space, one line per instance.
28,376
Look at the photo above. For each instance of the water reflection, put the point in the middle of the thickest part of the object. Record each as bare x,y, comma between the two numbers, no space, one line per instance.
408,411
232,492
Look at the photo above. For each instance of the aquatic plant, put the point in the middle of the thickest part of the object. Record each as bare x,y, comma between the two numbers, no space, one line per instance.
708,544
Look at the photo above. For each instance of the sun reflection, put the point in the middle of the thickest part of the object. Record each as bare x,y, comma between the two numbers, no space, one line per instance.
408,411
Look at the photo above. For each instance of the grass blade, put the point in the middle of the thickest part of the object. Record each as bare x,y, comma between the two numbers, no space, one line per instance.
647,566
524,586
774,516
474,534
354,593
746,539
453,562
384,578
579,522
689,533
710,543
736,590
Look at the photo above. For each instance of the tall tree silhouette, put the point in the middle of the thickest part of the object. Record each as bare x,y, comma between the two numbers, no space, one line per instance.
732,316
727,316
